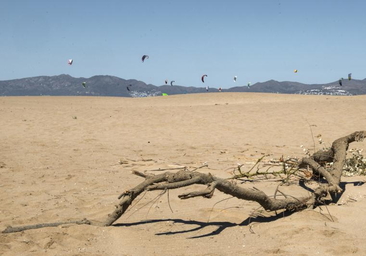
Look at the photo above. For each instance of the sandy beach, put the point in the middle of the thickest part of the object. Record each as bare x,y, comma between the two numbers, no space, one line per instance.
67,158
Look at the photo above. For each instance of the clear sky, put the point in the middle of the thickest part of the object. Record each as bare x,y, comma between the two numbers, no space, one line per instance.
256,40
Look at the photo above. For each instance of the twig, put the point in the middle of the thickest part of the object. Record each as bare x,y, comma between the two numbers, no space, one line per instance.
216,204
202,166
155,200
329,213
130,209
312,135
167,169
169,201
152,200
11,229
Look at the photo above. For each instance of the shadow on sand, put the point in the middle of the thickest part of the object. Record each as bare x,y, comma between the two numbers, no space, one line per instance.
335,198
199,225
222,225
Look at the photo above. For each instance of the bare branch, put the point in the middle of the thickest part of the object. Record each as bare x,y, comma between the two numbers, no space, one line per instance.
200,167
167,169
207,193
319,170
140,174
175,185
184,178
11,229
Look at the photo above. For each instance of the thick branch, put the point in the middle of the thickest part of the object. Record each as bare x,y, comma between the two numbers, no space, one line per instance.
179,184
340,147
130,195
337,155
207,193
186,178
260,197
322,156
317,168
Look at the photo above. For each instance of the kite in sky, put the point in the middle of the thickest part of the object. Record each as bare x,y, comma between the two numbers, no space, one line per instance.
340,81
71,61
203,78
144,57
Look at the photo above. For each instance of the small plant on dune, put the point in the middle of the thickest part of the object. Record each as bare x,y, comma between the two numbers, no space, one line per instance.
282,169
356,164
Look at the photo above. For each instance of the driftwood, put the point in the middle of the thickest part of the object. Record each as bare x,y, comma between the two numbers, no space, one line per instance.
184,178
11,229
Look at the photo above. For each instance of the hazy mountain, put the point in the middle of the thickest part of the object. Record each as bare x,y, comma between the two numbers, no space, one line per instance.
68,85
352,87
115,86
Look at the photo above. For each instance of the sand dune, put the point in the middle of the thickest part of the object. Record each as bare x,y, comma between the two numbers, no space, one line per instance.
60,160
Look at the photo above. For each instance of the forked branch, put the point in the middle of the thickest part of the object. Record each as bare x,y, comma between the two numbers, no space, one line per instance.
184,178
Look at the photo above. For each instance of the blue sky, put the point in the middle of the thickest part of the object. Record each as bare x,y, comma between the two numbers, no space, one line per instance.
255,40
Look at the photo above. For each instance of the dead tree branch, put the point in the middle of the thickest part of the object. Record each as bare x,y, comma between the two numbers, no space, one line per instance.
184,178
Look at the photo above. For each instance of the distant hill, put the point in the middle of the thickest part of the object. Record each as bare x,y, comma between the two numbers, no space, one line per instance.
65,85
352,87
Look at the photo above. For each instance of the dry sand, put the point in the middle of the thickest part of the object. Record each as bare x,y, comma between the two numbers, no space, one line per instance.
59,160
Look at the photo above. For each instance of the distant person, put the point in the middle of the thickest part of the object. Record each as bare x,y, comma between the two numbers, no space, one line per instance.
219,89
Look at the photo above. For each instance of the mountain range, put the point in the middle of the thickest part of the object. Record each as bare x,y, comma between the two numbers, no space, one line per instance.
105,85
